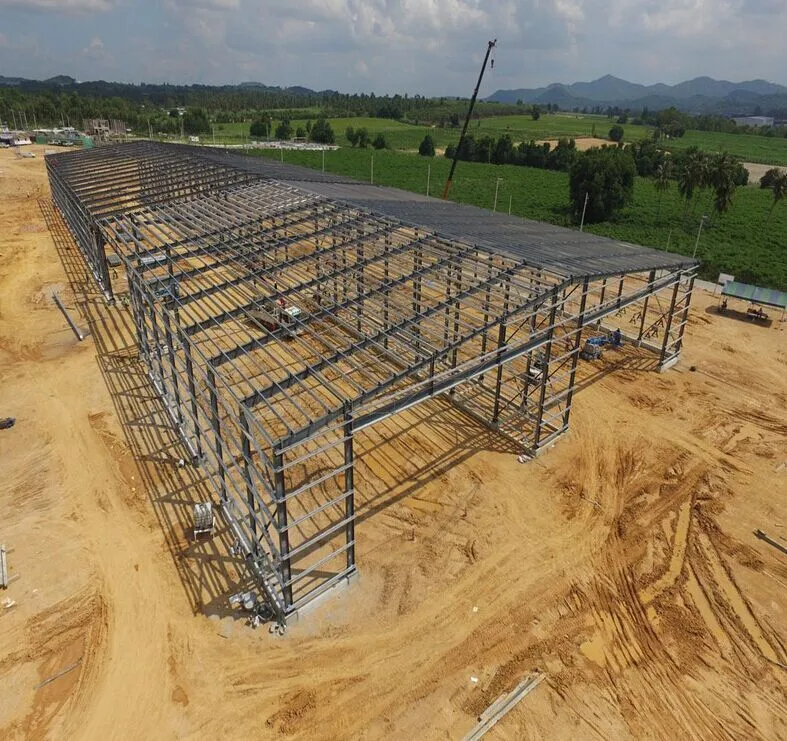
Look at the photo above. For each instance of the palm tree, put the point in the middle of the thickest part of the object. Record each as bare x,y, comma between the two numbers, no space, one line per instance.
723,199
721,177
692,175
661,181
779,191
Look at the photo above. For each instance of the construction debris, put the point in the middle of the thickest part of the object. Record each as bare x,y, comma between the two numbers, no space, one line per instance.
502,705
204,519
7,423
3,567
68,669
78,332
762,536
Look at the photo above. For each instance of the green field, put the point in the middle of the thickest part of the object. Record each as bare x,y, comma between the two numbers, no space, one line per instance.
408,136
740,242
404,136
749,147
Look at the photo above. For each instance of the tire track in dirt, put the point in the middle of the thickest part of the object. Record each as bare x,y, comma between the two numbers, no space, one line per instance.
736,612
624,642
73,631
630,637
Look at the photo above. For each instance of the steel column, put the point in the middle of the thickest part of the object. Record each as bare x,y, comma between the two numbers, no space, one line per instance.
349,485
501,341
281,526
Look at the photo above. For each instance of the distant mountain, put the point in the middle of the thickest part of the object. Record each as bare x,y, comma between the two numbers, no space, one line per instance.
607,88
103,85
255,85
702,94
61,80
11,81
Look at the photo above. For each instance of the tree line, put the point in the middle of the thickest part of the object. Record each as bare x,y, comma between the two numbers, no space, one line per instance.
601,180
144,107
148,106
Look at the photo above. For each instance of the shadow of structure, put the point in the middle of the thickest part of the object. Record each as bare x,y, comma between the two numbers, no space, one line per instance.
741,316
396,458
205,566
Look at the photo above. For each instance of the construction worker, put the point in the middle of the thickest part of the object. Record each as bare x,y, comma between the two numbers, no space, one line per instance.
617,338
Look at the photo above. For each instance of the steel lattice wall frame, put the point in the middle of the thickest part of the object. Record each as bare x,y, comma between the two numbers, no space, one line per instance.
117,178
392,315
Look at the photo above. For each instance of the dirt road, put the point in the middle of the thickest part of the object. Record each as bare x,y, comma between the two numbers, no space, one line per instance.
622,563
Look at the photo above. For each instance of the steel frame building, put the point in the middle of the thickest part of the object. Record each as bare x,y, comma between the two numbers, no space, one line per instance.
402,298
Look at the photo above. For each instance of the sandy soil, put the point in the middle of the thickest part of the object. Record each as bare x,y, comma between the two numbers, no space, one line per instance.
757,170
583,142
622,563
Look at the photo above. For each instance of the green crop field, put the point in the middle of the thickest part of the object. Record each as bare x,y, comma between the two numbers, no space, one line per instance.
742,242
749,147
405,136
556,125
408,136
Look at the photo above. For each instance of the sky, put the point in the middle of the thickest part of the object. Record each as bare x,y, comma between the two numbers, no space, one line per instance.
428,47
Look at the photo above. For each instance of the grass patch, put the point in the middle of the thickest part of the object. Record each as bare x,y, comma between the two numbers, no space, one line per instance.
407,136
749,147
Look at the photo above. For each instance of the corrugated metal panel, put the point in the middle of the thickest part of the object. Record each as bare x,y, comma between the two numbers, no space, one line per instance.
566,252
755,294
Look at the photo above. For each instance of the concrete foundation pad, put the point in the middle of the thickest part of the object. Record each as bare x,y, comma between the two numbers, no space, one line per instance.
330,593
669,364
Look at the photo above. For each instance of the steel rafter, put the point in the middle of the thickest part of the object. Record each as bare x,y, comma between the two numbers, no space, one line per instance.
391,315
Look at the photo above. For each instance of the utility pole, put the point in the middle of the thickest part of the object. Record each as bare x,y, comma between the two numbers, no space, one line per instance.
510,197
497,187
428,178
323,159
371,178
584,208
699,232
447,188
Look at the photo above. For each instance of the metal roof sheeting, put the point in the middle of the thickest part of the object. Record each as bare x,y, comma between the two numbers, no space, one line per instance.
118,178
567,252
755,294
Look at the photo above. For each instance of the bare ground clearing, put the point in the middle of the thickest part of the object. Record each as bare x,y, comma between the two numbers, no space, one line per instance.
622,563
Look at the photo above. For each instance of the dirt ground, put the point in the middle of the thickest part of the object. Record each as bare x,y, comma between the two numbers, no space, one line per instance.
623,563
756,171
583,142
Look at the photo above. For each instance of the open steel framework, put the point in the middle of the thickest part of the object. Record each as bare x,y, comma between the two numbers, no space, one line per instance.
392,314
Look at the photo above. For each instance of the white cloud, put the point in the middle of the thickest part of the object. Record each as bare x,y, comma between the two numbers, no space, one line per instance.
60,6
417,46
388,44
94,48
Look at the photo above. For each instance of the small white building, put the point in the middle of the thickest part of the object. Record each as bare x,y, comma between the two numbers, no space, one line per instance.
761,121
